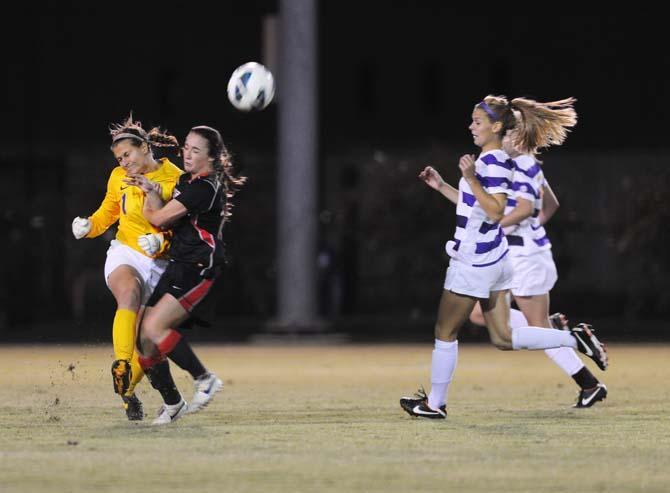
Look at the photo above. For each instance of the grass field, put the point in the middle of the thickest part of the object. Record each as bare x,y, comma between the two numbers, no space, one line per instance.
312,418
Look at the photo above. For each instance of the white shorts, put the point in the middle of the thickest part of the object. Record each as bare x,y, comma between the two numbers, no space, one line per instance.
150,270
534,274
479,282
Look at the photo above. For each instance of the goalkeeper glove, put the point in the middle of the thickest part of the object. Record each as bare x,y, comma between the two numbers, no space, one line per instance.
151,243
81,226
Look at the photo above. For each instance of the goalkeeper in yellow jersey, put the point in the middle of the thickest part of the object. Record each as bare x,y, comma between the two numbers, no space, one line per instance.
134,259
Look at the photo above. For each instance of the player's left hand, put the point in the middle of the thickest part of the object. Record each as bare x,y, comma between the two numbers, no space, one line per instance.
467,166
151,243
143,183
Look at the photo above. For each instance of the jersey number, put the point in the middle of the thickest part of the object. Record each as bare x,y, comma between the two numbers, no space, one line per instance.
123,203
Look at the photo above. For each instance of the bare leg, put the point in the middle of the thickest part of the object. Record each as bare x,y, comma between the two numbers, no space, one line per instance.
159,319
477,316
535,308
452,313
496,314
126,286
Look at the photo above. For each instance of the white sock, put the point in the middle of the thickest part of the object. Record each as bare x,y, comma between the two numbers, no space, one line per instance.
538,338
517,319
566,359
445,356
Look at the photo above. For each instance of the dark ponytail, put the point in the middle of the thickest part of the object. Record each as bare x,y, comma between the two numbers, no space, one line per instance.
223,166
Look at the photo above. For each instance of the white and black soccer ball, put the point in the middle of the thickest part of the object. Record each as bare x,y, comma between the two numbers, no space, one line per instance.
251,87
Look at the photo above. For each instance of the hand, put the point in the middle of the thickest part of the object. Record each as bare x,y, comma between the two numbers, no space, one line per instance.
431,177
81,226
151,243
467,165
143,183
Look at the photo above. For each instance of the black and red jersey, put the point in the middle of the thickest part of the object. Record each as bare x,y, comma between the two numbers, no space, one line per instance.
197,236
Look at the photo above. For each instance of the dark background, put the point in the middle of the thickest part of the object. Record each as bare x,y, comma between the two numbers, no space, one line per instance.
397,86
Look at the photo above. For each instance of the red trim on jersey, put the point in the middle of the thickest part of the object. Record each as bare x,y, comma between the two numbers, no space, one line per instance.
205,235
198,176
168,344
196,295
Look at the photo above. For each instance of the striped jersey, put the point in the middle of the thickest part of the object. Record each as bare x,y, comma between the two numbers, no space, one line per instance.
197,236
529,236
124,203
478,240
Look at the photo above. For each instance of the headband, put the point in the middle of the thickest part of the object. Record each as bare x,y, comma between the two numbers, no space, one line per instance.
127,135
487,109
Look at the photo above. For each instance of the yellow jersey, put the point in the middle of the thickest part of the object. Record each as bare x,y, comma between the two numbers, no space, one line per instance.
124,203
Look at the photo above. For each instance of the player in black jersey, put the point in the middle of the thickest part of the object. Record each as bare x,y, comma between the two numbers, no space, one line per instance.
196,214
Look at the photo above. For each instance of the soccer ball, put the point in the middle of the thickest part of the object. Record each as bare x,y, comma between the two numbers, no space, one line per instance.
251,87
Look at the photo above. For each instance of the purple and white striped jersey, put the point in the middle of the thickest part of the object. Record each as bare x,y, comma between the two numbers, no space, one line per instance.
478,240
529,236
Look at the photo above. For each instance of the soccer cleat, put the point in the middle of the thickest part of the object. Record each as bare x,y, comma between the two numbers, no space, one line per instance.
418,406
133,407
588,344
559,321
205,388
588,397
121,374
169,413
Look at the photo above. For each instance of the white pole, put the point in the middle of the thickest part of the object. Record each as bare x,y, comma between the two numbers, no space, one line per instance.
297,180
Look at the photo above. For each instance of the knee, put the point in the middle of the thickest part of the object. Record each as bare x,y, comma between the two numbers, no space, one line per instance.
501,342
128,296
145,346
444,333
150,332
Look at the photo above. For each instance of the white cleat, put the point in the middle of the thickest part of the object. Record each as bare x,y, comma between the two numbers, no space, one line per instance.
169,413
205,388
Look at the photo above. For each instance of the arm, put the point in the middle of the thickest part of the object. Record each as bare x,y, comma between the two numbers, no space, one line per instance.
433,179
155,210
108,212
493,205
523,210
549,204
162,215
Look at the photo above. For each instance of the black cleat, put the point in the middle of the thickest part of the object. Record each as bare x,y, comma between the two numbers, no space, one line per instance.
121,376
588,344
418,406
559,321
133,407
588,397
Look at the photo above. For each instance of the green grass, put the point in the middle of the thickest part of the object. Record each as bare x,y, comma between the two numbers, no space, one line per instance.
327,419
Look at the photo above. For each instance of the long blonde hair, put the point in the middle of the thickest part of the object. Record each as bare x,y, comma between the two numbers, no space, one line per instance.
542,124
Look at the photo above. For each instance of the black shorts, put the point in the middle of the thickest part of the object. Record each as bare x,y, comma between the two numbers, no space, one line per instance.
185,283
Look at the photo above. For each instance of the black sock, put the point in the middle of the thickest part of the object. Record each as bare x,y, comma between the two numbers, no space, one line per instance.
585,379
161,379
183,355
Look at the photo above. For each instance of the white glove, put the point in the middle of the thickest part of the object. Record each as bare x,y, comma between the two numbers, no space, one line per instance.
150,243
81,227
